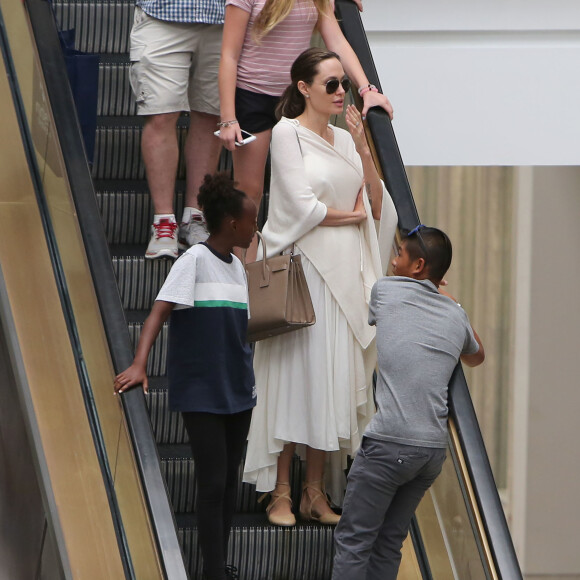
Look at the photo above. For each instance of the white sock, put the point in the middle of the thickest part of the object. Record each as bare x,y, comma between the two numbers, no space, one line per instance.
188,212
163,216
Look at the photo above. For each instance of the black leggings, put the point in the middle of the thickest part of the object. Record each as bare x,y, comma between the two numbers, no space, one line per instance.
217,442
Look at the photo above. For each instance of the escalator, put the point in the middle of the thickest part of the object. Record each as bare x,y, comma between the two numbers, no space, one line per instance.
459,532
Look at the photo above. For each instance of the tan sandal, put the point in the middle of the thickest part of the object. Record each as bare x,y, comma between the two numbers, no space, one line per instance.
310,514
285,520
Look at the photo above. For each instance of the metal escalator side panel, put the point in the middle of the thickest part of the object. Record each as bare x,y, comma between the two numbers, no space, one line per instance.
480,477
31,535
59,437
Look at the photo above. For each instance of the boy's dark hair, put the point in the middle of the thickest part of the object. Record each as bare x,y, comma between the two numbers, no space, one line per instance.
432,245
219,198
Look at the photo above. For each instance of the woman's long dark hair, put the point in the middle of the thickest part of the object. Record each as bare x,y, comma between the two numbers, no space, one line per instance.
305,68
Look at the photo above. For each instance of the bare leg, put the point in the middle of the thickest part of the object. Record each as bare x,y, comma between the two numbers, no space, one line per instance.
161,154
202,151
313,500
282,509
249,169
285,461
315,460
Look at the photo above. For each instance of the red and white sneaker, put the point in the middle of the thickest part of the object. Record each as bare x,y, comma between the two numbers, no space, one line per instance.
163,240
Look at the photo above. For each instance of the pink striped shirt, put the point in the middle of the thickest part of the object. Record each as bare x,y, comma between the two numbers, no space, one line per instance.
265,67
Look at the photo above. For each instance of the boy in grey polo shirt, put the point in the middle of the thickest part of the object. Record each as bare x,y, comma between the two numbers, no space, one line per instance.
421,335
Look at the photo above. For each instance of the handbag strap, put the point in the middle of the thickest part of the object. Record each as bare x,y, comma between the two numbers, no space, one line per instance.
263,241
261,237
302,155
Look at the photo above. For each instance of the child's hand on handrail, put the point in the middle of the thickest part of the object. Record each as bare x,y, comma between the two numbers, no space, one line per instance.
129,378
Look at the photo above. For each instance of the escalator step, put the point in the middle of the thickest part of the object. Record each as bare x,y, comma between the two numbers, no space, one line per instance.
128,214
168,427
157,361
263,552
179,472
140,279
118,148
101,26
118,153
115,94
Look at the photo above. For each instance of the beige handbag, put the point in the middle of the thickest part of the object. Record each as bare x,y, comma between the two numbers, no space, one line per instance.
279,296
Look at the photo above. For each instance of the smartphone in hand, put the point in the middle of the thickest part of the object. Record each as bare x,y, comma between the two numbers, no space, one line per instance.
246,138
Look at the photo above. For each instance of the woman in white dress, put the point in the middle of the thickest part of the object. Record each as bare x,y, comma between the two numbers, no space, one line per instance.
314,384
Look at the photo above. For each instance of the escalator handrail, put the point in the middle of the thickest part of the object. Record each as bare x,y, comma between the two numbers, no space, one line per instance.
105,284
460,404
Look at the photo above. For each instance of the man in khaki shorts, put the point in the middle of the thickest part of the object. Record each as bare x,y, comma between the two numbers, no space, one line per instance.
175,53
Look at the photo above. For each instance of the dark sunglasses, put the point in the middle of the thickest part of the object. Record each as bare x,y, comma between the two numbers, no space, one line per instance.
417,231
333,84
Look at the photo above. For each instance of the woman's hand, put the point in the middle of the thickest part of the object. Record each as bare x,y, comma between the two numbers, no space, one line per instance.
359,205
337,217
355,126
374,99
134,375
229,136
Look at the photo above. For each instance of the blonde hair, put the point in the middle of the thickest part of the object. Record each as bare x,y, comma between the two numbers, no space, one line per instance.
275,11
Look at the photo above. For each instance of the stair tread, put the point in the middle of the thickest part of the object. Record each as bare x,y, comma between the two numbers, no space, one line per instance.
130,250
174,451
114,58
133,121
249,520
157,384
132,185
136,316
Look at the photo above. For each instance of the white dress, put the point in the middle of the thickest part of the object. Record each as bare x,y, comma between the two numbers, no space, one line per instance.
314,385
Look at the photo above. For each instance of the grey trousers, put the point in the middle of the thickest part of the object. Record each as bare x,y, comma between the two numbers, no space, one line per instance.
385,485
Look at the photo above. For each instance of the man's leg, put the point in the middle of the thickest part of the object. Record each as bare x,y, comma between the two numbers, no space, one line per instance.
202,152
160,152
160,64
202,147
385,557
371,487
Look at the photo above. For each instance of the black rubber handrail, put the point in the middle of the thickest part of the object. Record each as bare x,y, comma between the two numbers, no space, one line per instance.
460,403
105,284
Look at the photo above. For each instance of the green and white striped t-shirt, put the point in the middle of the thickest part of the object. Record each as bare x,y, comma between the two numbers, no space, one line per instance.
209,361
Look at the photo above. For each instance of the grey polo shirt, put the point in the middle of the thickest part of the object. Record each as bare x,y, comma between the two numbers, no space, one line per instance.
420,337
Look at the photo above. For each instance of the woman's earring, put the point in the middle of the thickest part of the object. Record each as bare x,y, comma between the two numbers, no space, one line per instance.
306,96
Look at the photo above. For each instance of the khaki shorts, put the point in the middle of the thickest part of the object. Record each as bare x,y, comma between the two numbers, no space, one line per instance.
174,66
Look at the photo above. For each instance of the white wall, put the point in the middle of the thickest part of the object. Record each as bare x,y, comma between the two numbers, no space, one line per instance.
546,430
484,82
